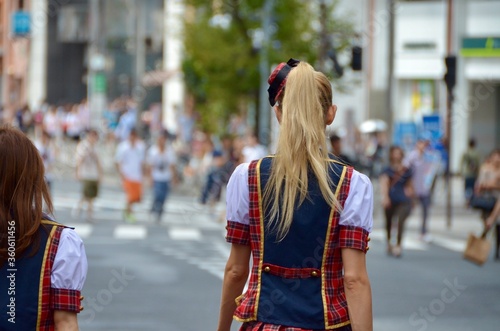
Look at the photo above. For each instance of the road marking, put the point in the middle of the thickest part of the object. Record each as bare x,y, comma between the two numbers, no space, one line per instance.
83,230
184,234
456,245
414,244
409,243
130,232
223,249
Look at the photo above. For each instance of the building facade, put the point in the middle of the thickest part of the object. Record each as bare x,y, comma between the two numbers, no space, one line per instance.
418,98
14,54
421,45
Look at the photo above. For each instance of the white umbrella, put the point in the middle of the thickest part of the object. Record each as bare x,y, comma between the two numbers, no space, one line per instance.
371,126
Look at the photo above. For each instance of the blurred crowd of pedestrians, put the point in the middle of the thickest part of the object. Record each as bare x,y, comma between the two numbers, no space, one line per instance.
146,154
409,179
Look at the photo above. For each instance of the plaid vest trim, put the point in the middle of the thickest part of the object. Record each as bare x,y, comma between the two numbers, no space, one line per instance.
45,319
248,302
50,299
332,284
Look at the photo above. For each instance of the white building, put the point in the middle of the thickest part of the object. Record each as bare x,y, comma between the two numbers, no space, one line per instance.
420,47
477,108
173,88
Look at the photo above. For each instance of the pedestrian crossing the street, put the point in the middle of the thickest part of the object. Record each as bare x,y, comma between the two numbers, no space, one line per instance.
175,231
182,214
109,207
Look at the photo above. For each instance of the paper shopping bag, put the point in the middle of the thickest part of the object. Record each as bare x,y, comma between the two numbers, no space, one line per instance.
477,249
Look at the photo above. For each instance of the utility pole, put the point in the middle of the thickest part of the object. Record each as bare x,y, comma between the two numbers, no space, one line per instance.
324,46
390,68
96,79
264,108
450,82
140,58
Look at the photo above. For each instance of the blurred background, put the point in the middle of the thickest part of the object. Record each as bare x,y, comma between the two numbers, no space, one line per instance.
209,60
401,71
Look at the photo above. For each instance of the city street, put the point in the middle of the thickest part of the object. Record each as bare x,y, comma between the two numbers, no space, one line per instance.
405,91
167,276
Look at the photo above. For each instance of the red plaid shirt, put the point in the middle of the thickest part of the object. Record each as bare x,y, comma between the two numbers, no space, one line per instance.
340,237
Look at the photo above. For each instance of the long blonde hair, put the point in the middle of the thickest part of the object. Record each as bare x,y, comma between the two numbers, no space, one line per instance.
301,148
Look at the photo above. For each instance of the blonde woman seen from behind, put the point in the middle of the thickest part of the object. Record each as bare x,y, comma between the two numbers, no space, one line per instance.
303,217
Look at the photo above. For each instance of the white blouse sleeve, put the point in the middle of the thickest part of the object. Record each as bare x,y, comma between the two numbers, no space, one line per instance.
358,207
70,263
238,196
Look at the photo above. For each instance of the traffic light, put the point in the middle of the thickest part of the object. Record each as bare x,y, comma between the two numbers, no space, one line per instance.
356,60
450,78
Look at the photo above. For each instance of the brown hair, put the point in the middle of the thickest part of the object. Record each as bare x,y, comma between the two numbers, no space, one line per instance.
22,191
393,149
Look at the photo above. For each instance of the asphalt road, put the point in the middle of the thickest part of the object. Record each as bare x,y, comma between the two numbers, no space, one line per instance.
167,276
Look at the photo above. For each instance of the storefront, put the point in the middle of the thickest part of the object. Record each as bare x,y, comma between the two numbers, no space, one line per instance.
420,93
481,109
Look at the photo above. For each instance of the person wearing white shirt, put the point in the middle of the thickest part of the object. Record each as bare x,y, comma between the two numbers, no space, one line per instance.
253,150
129,161
160,162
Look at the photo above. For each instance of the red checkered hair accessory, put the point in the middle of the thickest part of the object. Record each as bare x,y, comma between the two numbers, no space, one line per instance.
277,80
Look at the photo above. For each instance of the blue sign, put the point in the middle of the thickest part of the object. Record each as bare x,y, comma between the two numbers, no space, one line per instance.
431,127
405,135
21,23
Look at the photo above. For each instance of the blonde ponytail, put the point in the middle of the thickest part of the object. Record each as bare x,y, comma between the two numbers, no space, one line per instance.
301,147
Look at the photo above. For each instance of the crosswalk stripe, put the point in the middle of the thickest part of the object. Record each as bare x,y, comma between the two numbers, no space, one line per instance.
223,248
178,233
117,203
409,243
130,232
415,245
83,230
455,245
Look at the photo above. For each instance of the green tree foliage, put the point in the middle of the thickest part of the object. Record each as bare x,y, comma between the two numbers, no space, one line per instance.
221,63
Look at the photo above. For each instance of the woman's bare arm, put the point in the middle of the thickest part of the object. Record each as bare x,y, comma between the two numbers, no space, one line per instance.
357,289
65,321
235,277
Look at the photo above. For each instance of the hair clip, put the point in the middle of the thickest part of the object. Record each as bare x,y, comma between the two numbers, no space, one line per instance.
277,79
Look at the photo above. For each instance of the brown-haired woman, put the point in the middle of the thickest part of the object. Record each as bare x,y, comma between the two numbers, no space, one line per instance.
42,263
397,193
304,217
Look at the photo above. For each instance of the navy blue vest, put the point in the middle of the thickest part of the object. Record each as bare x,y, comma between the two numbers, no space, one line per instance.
20,284
291,281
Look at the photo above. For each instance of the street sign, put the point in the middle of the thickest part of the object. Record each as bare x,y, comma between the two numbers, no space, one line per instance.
99,83
431,125
21,23
405,135
480,47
